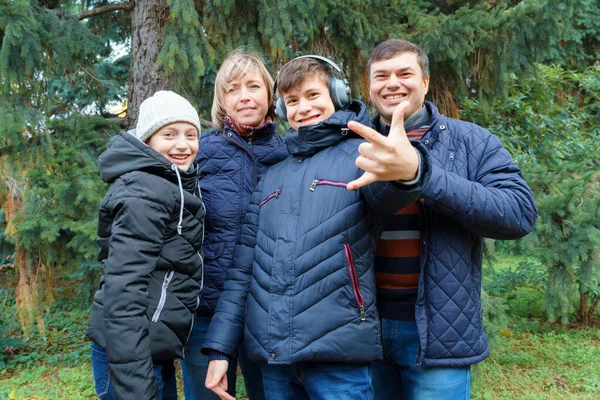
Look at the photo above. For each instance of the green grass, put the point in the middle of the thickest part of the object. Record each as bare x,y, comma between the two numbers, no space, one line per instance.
549,363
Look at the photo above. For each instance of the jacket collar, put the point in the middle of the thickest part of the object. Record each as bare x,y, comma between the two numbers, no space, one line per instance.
309,140
384,129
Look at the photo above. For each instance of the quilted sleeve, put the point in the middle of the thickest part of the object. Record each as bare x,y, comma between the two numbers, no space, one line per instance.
136,240
227,324
494,202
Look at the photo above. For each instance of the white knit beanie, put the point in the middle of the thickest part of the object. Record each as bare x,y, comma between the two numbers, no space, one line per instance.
164,108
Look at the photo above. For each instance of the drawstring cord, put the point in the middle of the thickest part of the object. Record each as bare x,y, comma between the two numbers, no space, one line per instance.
180,223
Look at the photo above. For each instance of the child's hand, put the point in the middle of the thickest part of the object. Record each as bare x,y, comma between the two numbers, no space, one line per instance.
390,158
216,378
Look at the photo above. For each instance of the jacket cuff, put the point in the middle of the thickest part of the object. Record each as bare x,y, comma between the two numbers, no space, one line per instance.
419,169
217,355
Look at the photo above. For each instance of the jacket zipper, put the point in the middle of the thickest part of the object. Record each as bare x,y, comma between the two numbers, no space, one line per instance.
360,301
163,295
450,161
326,182
187,339
269,197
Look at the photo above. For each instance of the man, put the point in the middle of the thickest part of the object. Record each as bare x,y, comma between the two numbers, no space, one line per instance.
428,264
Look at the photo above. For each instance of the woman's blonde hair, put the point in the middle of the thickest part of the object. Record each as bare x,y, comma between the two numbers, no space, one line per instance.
236,66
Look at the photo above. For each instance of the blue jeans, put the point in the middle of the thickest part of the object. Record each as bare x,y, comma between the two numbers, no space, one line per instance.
164,372
195,365
397,377
318,381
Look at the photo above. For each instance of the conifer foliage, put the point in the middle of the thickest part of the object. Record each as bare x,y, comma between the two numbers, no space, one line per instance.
64,63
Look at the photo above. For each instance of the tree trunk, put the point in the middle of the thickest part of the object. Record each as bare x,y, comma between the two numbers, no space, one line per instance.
582,315
145,77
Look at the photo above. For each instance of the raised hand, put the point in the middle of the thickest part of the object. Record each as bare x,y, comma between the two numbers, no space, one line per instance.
216,378
390,158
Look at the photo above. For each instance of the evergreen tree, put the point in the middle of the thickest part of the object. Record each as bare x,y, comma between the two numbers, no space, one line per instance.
59,77
551,126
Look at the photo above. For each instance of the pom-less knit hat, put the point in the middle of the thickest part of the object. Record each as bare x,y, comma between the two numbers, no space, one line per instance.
164,108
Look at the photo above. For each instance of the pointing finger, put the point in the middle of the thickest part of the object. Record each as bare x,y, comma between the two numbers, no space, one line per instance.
367,133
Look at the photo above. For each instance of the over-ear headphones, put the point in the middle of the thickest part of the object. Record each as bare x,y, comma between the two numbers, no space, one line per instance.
339,89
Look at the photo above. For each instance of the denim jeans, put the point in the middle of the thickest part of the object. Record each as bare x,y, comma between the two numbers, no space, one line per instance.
317,381
397,377
195,365
164,372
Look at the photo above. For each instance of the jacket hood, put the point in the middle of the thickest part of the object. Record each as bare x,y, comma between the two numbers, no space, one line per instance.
126,153
309,140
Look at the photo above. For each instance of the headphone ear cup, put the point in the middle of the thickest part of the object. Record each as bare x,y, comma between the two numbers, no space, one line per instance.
280,109
339,90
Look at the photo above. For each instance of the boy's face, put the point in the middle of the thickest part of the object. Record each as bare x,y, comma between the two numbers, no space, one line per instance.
395,80
177,142
309,103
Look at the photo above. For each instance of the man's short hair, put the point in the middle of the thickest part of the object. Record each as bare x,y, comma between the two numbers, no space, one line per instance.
392,47
293,73
238,64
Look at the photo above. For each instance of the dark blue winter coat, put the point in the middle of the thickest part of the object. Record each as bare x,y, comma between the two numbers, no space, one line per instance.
476,190
304,266
230,168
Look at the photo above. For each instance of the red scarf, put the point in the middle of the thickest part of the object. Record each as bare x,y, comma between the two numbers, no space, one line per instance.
244,130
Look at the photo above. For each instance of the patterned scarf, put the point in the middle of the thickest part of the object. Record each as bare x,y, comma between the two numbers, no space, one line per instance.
245,130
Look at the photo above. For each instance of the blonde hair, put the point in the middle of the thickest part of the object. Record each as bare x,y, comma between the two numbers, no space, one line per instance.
238,64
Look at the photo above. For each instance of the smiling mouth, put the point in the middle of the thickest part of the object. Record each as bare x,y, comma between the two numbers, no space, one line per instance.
309,119
395,96
247,109
179,157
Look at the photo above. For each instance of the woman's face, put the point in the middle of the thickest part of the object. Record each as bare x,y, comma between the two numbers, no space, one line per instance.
247,99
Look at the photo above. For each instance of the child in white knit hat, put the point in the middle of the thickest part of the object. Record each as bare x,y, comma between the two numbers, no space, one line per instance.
150,230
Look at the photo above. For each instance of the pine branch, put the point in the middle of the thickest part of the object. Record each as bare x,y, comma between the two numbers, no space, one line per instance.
105,9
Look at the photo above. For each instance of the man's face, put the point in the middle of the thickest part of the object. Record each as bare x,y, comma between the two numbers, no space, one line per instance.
395,80
309,103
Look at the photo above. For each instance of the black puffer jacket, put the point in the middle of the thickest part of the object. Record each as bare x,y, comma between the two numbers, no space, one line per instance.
150,230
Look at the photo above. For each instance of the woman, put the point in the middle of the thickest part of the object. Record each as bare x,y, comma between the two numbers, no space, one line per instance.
231,159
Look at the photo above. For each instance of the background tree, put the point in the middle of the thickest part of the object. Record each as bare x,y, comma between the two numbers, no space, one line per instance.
61,70
551,125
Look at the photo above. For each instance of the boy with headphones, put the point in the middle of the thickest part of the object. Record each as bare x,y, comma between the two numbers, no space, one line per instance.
301,288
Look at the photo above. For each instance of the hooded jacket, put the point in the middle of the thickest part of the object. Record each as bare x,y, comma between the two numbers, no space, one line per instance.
150,229
476,190
230,168
304,264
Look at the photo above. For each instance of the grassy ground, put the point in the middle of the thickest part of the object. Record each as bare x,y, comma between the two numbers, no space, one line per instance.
544,363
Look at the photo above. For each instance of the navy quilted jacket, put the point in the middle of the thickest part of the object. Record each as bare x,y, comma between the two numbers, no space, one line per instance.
304,266
230,168
475,191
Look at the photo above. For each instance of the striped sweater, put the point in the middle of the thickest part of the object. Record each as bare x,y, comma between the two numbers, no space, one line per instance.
398,259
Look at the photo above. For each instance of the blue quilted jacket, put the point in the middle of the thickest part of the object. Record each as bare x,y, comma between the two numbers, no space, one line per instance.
475,191
230,168
304,265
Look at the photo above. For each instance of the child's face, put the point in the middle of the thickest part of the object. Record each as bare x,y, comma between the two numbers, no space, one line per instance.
309,103
177,142
247,100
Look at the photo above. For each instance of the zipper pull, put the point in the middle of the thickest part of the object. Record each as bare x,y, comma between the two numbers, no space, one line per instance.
362,314
314,185
277,193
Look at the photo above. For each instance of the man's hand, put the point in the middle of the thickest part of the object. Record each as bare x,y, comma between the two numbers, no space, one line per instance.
216,378
390,158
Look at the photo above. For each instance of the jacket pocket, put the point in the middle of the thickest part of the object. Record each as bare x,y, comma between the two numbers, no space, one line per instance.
360,301
163,296
318,182
270,197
